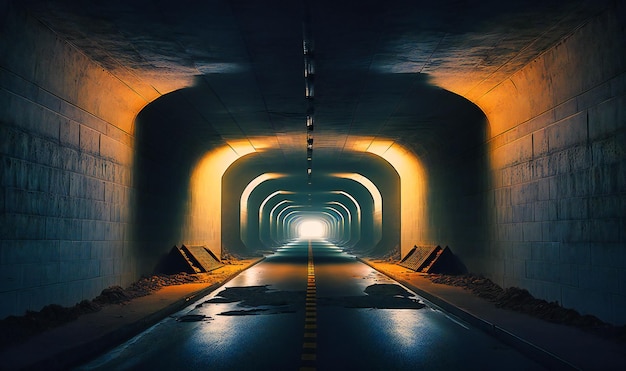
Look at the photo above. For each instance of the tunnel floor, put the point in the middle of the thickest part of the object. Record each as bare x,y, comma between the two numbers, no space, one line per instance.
312,306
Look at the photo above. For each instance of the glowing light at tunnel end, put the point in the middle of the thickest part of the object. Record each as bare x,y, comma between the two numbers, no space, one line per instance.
311,228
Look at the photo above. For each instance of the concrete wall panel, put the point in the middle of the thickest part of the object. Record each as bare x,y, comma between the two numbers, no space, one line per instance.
557,152
66,143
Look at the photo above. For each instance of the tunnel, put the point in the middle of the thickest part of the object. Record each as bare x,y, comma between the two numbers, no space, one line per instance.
496,129
368,175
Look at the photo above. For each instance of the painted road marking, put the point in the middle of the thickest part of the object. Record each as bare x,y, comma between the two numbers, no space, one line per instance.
309,345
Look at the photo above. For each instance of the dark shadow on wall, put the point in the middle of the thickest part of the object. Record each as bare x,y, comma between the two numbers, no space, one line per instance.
170,138
459,178
448,134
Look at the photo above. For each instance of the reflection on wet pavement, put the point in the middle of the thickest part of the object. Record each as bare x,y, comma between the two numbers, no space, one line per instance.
352,318
257,299
379,296
193,318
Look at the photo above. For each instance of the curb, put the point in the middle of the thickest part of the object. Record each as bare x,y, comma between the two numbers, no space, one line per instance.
525,347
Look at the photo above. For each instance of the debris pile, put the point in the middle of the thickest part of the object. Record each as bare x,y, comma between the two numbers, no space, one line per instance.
392,256
521,300
147,285
18,328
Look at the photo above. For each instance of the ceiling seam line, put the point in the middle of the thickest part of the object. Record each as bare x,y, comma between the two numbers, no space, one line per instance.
532,59
430,57
217,97
80,51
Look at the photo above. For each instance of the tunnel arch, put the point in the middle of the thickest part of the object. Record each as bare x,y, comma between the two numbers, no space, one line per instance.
295,224
122,154
287,230
273,225
243,203
407,158
274,236
265,222
350,234
374,233
257,218
344,226
242,172
179,201
376,199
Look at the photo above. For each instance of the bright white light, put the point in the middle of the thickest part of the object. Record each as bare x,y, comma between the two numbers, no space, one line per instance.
311,229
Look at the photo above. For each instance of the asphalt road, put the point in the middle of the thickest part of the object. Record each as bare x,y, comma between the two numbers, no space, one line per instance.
312,306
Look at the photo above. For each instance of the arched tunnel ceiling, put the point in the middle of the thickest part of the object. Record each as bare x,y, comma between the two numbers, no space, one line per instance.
384,69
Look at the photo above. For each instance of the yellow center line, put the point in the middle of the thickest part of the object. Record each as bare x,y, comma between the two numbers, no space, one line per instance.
309,345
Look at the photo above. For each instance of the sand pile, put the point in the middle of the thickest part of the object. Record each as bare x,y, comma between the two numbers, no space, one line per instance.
18,328
521,300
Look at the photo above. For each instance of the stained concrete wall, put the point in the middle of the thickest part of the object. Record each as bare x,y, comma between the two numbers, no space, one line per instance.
557,174
65,167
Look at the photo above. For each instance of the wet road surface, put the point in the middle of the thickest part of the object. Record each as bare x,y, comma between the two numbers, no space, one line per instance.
312,306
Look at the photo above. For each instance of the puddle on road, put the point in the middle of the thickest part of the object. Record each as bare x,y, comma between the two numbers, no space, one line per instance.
258,298
193,318
261,300
379,296
256,311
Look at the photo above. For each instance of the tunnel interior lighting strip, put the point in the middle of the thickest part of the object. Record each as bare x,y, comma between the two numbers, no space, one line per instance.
309,90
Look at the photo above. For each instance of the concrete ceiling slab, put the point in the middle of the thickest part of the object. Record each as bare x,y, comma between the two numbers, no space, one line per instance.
382,67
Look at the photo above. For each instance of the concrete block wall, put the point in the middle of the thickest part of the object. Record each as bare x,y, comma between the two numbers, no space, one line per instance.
557,159
66,154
